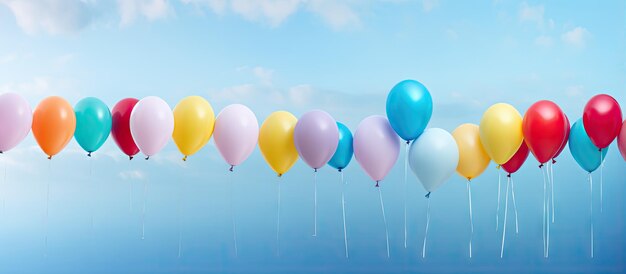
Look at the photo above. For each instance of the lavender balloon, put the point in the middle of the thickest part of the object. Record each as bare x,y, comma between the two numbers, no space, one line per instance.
316,137
151,125
16,119
236,133
376,146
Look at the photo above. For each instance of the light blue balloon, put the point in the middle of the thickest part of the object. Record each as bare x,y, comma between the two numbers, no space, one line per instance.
343,154
583,150
93,123
433,157
409,108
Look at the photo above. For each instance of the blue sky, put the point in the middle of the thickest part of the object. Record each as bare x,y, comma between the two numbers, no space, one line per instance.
340,56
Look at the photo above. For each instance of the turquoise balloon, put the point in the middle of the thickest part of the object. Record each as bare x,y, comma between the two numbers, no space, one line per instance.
343,154
409,108
583,150
93,123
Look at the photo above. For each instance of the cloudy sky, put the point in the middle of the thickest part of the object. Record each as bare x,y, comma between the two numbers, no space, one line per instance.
296,55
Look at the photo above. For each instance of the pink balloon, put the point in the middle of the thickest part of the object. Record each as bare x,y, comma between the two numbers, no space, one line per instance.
16,119
316,137
376,146
621,140
236,133
151,124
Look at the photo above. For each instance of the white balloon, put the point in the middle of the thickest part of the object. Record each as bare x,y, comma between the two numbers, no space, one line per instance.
433,157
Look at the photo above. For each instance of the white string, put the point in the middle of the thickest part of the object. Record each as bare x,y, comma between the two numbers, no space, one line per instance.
590,179
514,205
469,196
343,211
551,165
47,207
93,192
427,225
548,220
232,212
498,208
6,163
130,195
601,180
506,211
382,208
406,164
315,206
180,227
278,221
143,210
543,232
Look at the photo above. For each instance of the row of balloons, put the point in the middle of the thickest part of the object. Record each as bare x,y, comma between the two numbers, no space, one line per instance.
146,125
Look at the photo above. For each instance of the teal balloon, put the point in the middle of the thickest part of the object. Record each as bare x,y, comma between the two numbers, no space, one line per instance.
583,150
93,123
343,154
409,108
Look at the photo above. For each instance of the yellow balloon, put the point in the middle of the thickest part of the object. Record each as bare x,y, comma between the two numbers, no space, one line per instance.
473,158
193,124
276,141
501,132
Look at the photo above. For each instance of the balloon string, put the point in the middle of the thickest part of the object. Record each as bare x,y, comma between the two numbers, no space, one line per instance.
143,210
506,211
543,232
551,165
315,201
382,208
547,197
233,212
343,211
427,225
469,196
47,209
278,222
179,219
6,163
514,205
498,208
590,179
93,192
601,180
406,164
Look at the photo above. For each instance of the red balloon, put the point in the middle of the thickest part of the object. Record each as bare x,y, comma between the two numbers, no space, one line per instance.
544,129
602,120
120,128
517,160
564,144
621,140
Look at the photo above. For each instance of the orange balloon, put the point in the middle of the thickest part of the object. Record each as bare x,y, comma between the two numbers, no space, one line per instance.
54,123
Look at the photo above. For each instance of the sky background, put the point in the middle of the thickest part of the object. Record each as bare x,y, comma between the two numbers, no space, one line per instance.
295,55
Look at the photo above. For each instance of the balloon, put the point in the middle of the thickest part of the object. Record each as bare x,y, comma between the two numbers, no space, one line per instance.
582,148
501,132
433,157
120,126
236,133
54,123
16,119
621,140
343,154
473,159
151,124
602,119
409,108
376,146
316,137
276,141
93,124
544,130
193,124
564,144
514,164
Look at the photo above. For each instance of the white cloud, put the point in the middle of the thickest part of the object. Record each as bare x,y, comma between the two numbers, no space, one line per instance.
532,14
544,41
576,37
132,175
429,5
264,75
337,14
151,9
574,91
52,16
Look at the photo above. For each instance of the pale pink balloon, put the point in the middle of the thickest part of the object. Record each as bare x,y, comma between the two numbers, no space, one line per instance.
621,140
236,133
151,124
16,119
376,146
316,137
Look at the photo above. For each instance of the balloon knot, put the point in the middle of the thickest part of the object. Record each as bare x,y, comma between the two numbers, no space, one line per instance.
427,195
600,149
49,157
89,154
339,170
147,157
553,161
130,158
408,141
185,158
315,170
498,166
280,175
231,168
508,175
1,152
377,184
541,165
